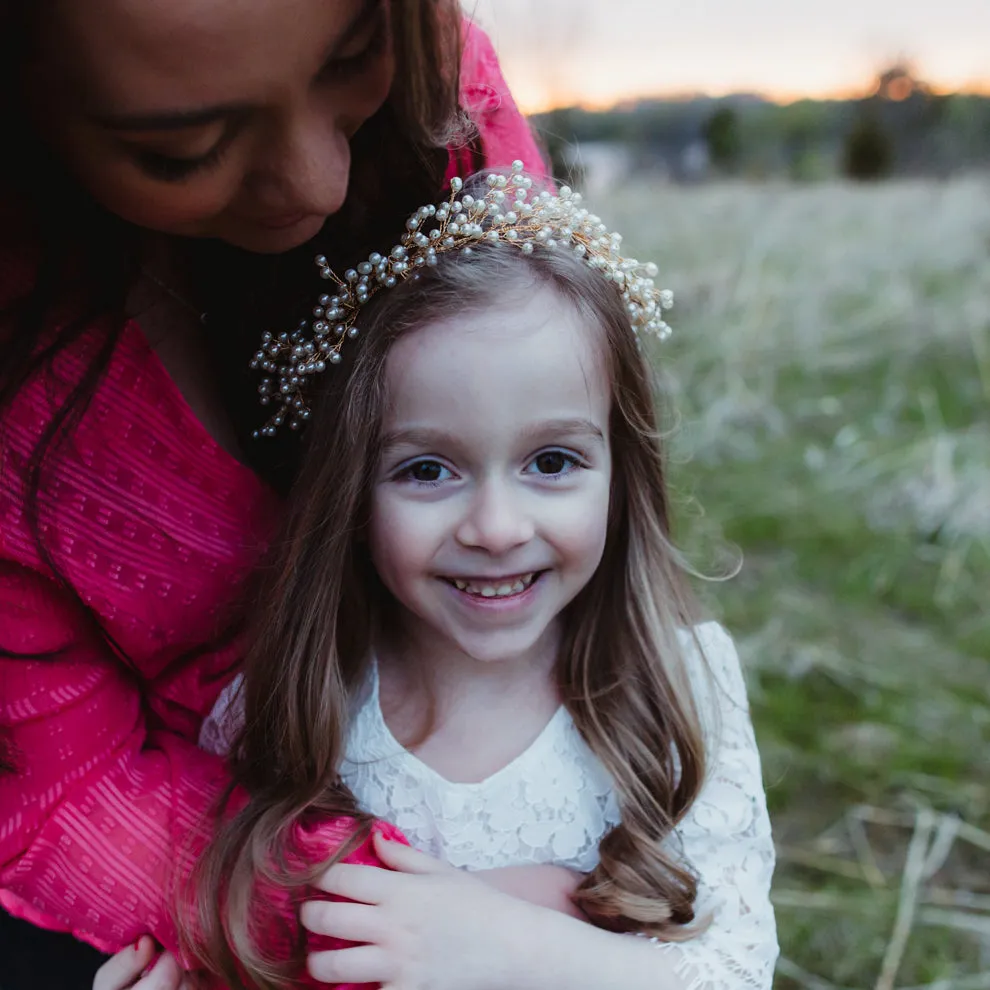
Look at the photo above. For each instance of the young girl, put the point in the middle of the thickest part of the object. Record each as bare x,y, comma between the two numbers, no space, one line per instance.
476,630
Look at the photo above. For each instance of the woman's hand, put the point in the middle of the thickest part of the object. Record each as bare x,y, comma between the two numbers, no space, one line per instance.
420,923
126,970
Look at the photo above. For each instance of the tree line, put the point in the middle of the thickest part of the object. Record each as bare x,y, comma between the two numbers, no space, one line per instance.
901,127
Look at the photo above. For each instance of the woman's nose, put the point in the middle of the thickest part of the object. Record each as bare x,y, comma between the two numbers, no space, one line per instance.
306,165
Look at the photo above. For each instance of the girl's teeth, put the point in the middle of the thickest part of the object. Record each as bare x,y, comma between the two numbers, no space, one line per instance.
493,590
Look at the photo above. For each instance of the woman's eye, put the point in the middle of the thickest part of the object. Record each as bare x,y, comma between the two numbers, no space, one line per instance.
554,462
352,65
427,472
169,169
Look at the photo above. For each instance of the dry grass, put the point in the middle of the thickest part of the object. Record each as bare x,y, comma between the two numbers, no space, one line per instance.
832,367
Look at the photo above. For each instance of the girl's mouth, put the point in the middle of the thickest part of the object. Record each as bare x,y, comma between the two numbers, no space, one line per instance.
504,587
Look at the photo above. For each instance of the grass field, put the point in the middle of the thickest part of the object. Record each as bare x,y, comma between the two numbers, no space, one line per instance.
832,369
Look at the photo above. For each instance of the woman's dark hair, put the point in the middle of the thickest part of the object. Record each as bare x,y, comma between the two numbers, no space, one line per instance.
67,264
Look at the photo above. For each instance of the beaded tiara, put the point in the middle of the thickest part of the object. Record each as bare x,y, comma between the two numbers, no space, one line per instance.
510,212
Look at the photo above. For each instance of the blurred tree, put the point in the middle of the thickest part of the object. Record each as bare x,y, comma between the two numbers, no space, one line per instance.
899,83
868,154
900,125
803,129
722,136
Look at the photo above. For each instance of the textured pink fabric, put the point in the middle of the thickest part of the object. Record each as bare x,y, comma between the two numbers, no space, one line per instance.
503,131
158,529
313,845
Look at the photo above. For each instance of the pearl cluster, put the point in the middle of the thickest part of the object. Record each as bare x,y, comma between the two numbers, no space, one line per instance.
509,212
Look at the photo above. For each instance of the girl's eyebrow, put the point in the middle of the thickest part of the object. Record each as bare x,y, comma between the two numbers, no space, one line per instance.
179,119
575,427
428,439
417,436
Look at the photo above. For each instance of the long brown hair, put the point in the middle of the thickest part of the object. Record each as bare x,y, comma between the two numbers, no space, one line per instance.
621,669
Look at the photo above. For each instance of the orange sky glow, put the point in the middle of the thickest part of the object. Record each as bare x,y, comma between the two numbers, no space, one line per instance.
597,53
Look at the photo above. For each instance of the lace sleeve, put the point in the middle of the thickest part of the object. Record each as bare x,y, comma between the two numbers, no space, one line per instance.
220,727
726,838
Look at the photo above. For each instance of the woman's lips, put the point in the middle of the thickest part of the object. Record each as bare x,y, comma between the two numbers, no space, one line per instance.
281,221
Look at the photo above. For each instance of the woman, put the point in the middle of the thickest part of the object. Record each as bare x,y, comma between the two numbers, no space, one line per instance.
176,167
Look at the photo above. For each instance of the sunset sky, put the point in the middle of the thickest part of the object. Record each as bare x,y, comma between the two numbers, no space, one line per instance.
598,52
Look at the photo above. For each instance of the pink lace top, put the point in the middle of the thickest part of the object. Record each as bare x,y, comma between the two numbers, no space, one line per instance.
158,529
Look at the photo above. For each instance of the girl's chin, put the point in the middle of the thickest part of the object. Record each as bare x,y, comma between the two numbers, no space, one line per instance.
492,649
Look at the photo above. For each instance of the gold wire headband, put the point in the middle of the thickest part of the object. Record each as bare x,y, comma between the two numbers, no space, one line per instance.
507,214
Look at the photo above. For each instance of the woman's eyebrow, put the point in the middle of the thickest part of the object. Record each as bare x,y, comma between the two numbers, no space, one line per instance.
180,119
168,120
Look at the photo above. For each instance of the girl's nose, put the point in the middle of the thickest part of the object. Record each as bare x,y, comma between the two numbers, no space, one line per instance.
496,521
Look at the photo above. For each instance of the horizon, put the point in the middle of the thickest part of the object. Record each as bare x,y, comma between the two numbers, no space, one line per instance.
580,53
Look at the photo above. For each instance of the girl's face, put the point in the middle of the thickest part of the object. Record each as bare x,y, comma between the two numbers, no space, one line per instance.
490,507
227,119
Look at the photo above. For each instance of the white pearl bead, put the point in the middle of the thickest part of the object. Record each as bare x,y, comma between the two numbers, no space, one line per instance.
549,221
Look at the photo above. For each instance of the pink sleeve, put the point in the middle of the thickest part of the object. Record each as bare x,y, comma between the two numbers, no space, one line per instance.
504,133
102,818
312,845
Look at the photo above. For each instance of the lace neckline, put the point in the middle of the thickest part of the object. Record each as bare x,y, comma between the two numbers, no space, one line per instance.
530,754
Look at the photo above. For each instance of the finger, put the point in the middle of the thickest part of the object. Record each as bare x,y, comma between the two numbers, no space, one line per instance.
404,859
367,884
342,919
120,971
166,974
362,964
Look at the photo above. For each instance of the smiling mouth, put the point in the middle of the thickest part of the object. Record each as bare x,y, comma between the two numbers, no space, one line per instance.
495,588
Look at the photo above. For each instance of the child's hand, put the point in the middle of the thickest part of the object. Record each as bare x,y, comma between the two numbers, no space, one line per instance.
546,886
420,923
124,970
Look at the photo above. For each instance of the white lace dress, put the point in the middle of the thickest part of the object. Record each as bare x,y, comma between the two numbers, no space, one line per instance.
554,803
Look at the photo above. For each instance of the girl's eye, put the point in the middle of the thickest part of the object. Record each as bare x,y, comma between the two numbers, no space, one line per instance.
553,462
426,472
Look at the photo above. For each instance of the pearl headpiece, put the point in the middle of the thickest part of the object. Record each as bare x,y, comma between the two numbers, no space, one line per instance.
507,213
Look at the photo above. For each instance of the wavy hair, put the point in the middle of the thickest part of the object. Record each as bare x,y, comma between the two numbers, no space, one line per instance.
621,667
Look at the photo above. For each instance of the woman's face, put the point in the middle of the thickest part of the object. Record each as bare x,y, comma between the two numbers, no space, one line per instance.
227,119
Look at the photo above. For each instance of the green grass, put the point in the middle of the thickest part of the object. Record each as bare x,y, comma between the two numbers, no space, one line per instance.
831,367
